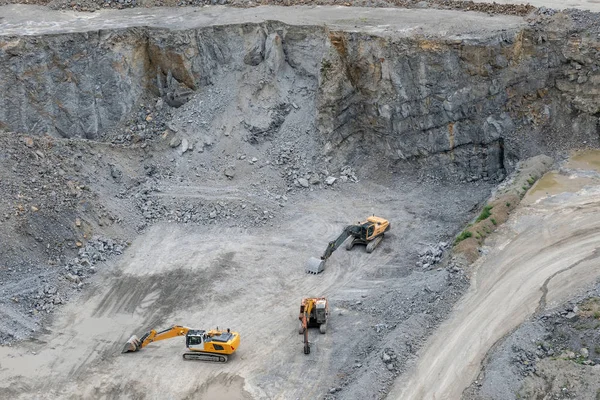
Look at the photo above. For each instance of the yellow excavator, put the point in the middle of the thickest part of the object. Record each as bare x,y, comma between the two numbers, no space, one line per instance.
314,311
213,346
369,232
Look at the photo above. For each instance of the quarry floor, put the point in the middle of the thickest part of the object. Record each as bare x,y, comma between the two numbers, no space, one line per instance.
250,281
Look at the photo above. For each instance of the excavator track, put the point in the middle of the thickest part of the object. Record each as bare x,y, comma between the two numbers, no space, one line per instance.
204,356
374,243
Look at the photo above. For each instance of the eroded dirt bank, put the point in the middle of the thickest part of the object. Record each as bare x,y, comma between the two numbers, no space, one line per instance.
546,252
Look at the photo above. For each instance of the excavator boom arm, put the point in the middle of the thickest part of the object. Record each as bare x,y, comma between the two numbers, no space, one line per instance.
134,343
174,331
306,309
334,244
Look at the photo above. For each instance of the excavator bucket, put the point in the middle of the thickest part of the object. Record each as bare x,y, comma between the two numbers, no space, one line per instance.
133,344
314,265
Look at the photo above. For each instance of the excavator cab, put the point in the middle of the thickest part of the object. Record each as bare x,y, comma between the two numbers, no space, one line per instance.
194,340
370,230
321,311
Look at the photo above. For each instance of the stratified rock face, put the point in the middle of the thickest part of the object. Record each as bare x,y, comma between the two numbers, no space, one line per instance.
453,103
70,85
413,98
464,109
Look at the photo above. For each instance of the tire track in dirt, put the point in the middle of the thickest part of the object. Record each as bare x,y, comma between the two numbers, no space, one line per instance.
544,289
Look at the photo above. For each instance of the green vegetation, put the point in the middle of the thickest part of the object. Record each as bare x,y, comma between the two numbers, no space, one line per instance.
464,235
507,204
531,180
325,66
485,213
494,221
580,360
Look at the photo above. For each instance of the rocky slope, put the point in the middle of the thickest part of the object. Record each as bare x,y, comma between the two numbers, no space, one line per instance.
461,107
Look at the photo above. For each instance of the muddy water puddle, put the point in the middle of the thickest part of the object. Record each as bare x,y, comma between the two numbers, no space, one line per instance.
585,160
555,182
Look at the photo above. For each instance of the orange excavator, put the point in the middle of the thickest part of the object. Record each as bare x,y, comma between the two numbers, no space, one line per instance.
213,346
314,311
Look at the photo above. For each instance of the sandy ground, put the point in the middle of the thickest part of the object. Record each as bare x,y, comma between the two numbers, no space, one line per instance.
545,253
250,283
34,20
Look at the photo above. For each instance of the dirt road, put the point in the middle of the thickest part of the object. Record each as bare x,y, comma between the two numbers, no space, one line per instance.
22,19
543,255
591,5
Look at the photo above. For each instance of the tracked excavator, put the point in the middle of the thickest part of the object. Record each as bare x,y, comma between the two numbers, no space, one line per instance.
212,346
369,232
314,311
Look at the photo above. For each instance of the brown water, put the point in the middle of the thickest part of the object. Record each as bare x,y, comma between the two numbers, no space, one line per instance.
586,160
553,183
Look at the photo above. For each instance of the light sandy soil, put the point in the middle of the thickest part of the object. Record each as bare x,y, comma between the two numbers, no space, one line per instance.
202,279
592,5
546,252
33,20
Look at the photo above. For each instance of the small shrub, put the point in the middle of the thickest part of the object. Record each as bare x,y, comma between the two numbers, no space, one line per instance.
580,360
596,314
524,188
464,235
494,221
531,180
507,204
485,213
